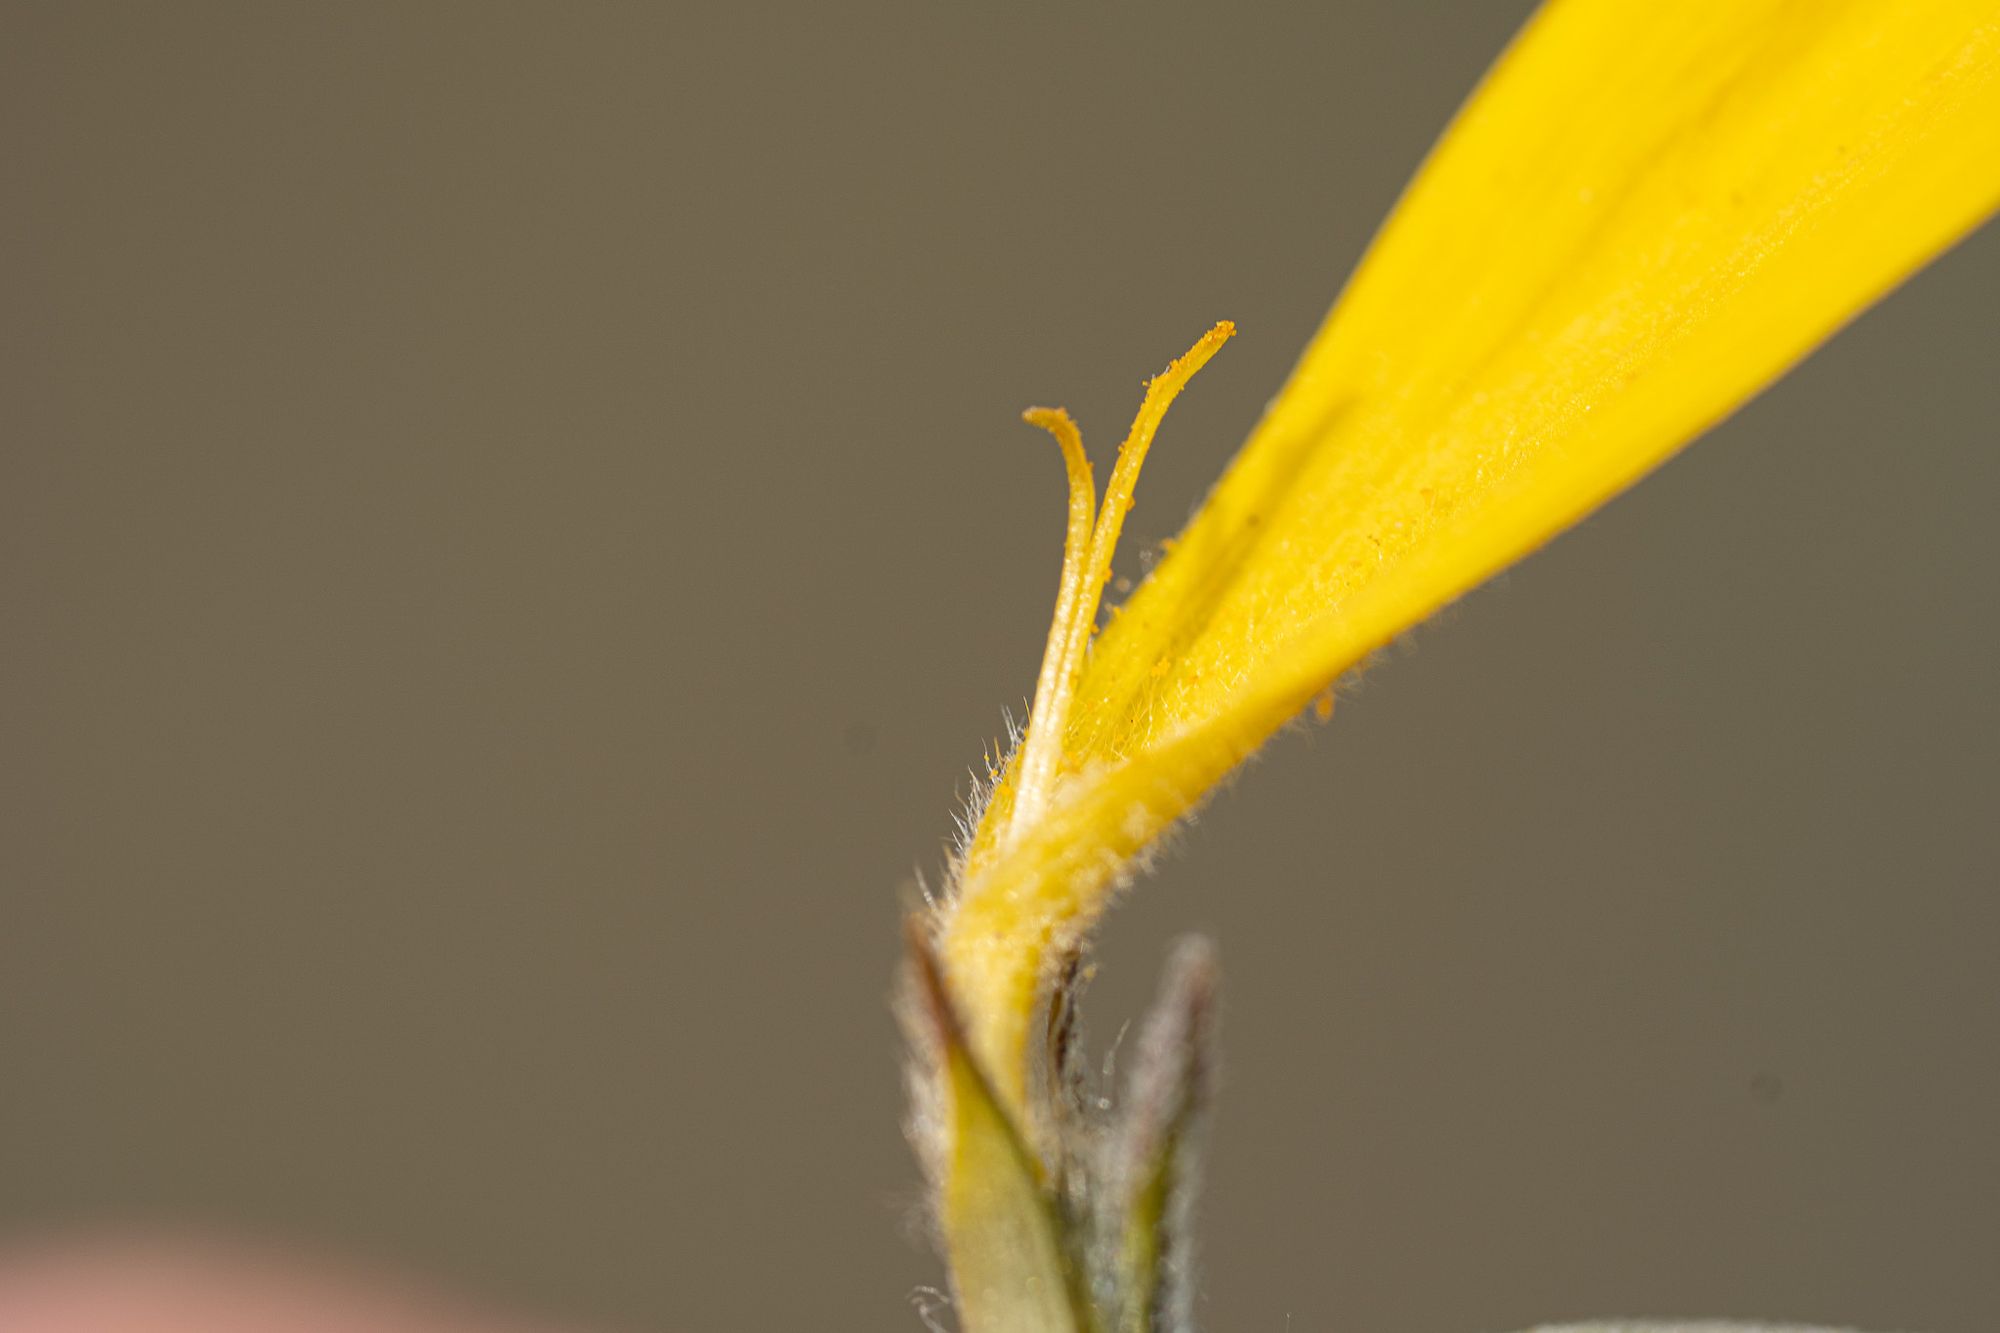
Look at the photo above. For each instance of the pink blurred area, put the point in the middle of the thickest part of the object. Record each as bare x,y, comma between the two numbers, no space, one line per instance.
160,1284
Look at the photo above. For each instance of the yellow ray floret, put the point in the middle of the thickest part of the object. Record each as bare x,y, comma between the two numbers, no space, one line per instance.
1646,214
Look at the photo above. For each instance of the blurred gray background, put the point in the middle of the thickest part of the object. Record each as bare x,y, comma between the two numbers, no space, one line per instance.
516,531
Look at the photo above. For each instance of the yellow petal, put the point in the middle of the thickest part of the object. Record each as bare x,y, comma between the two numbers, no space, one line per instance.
1645,215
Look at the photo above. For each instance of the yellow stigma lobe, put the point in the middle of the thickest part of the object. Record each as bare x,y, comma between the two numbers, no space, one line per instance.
1057,683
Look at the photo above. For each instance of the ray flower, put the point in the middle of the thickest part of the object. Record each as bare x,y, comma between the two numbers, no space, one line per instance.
1643,216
